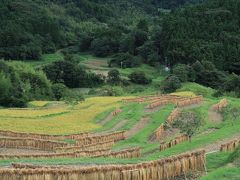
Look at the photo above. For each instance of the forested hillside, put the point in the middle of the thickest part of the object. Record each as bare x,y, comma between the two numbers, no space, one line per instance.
197,40
30,28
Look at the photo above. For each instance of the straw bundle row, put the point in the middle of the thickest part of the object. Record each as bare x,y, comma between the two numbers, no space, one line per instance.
41,136
116,111
33,166
144,98
219,106
174,142
140,99
189,101
95,146
127,153
28,143
160,130
174,114
158,104
116,136
158,133
230,146
166,100
162,169
96,153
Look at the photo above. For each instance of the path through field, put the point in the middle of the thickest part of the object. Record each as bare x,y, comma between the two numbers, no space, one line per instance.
106,119
214,116
119,125
138,126
214,147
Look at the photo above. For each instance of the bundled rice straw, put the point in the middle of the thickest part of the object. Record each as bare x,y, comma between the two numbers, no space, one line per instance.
166,168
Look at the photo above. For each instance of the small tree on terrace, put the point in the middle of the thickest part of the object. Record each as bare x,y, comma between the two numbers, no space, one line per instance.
188,123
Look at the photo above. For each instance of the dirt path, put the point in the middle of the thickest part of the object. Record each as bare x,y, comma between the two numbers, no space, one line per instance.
119,125
214,147
116,127
214,116
137,127
106,119
169,134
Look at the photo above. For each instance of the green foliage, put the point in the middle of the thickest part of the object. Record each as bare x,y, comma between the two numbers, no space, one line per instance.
111,91
5,86
20,83
196,89
125,60
232,84
73,97
188,123
71,74
114,76
204,32
234,156
139,77
181,71
59,91
170,84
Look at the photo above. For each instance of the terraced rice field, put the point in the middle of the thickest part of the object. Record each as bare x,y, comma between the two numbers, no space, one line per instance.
139,132
59,118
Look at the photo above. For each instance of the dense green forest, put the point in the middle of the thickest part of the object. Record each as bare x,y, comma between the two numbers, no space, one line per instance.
30,28
198,40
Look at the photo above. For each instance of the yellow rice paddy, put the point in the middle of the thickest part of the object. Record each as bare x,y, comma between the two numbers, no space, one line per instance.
62,119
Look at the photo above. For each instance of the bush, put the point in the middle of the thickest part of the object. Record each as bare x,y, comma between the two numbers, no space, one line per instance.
114,76
139,78
73,97
112,91
72,74
20,83
181,71
125,60
170,84
59,91
232,83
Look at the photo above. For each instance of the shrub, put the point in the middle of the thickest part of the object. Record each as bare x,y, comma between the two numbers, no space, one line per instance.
73,97
114,76
59,91
125,60
181,71
112,91
139,78
170,84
